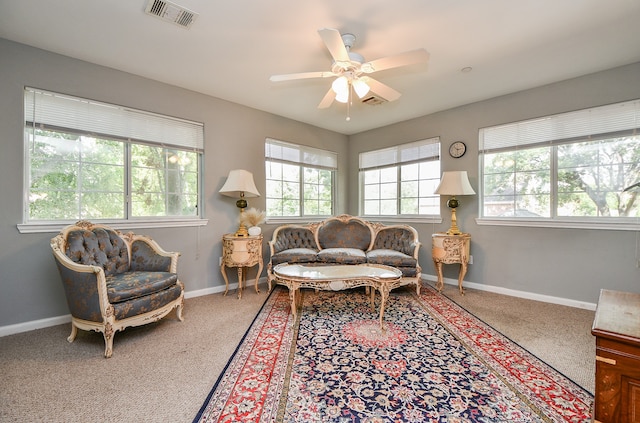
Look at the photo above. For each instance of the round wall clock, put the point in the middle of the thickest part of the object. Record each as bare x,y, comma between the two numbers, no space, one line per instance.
457,149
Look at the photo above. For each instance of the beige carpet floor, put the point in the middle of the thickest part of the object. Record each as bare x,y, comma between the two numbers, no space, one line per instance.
163,372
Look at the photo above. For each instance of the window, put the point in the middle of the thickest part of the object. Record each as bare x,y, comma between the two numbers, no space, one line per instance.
97,161
571,166
300,180
401,180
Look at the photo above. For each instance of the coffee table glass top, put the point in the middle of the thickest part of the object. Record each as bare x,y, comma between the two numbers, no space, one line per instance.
336,271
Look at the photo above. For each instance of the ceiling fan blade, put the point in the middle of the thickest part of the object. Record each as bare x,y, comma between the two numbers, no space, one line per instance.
381,89
334,43
327,100
302,75
403,59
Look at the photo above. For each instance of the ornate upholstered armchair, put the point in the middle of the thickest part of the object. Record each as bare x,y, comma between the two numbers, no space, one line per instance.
113,281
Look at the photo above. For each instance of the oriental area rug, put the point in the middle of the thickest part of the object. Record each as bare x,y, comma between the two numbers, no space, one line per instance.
434,362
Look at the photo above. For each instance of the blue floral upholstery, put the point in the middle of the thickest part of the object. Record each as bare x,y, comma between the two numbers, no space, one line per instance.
349,233
148,303
295,255
294,237
396,239
348,240
391,258
98,247
131,285
113,281
342,256
143,257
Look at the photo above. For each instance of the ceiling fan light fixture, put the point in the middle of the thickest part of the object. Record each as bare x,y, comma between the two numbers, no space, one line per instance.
342,97
340,85
360,87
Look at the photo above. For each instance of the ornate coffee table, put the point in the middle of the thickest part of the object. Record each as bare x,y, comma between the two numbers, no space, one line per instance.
336,277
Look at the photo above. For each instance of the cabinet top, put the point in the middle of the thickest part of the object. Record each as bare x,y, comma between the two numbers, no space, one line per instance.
233,236
617,315
444,234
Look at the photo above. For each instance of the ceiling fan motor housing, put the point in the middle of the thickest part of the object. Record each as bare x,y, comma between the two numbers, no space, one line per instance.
348,40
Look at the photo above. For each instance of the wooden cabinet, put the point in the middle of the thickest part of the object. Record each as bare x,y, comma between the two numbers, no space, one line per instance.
617,331
241,252
450,249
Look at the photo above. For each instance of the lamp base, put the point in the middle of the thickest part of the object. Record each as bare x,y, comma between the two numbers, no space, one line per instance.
242,231
453,230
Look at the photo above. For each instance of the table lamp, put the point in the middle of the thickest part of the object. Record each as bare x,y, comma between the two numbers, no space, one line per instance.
240,184
454,183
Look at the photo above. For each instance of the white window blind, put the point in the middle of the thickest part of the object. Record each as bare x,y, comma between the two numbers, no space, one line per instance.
299,154
586,123
48,109
401,154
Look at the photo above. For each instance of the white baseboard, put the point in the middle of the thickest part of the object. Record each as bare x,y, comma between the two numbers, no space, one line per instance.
53,321
515,293
34,324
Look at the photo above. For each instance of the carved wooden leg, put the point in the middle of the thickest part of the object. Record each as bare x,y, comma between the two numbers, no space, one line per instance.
258,276
463,271
108,340
179,311
226,280
418,284
384,294
240,281
292,299
74,332
440,283
372,297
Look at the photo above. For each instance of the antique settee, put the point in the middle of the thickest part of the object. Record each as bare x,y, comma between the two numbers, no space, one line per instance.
113,281
347,239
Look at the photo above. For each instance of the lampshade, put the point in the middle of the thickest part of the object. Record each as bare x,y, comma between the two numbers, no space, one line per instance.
240,182
341,87
455,183
360,87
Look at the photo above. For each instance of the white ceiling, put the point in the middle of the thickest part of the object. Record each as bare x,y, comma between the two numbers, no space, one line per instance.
235,45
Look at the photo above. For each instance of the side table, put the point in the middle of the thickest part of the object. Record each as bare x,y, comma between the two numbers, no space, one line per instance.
241,252
449,249
617,330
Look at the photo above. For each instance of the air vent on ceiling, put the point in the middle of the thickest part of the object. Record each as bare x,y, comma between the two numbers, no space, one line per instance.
373,100
171,12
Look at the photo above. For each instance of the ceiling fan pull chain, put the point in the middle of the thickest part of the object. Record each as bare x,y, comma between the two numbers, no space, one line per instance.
349,102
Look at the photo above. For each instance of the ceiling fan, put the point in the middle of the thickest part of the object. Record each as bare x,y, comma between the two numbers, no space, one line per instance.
352,72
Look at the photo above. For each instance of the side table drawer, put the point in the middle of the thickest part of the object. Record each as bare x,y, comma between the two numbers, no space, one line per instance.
241,252
617,396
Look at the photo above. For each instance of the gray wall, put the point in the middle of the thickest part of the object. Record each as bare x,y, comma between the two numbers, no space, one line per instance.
567,263
572,264
234,138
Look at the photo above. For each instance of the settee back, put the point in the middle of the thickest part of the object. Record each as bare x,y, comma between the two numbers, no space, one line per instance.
98,246
345,232
114,252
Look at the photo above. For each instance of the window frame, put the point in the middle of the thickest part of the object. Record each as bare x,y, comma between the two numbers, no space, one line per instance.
396,157
304,157
68,114
595,124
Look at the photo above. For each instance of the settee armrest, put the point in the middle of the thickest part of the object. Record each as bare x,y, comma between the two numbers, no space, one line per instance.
84,285
147,255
